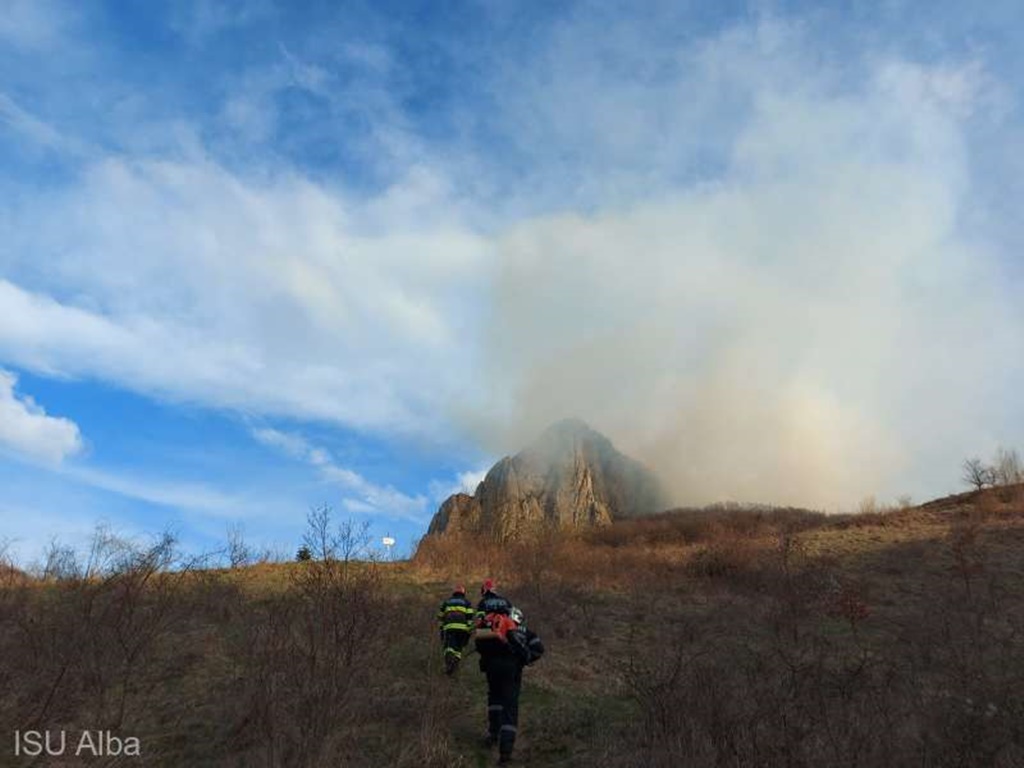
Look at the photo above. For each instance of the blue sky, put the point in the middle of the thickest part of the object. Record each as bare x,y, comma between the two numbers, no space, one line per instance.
256,256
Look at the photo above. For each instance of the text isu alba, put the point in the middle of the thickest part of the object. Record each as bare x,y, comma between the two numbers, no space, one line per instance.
80,744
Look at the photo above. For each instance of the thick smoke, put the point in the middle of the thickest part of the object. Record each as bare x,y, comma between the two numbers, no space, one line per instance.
815,325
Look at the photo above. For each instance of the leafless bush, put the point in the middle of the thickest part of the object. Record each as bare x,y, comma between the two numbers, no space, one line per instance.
345,542
729,557
310,653
10,574
238,552
61,563
1007,468
86,629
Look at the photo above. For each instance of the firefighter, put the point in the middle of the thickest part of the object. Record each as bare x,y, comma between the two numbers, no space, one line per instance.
490,602
502,662
456,619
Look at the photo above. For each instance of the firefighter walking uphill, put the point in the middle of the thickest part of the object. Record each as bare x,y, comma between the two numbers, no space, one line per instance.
456,619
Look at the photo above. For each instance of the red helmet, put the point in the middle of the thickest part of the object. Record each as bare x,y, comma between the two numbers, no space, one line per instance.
487,586
459,590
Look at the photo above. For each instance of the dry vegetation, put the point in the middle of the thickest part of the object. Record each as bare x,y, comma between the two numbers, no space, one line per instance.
723,637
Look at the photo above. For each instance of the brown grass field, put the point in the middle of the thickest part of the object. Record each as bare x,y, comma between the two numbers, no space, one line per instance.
722,637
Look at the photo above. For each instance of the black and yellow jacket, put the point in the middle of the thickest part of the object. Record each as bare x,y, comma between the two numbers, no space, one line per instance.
456,613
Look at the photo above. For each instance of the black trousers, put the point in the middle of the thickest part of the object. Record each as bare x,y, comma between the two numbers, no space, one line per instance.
454,641
504,679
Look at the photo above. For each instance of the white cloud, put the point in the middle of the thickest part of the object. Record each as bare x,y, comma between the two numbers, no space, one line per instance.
363,496
189,283
464,482
26,430
468,481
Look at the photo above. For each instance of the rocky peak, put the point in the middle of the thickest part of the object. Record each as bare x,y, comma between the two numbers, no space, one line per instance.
570,477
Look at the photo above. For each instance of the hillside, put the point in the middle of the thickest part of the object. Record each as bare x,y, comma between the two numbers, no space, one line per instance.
722,637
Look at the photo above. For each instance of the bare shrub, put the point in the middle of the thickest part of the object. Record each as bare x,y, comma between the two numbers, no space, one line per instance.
310,655
10,574
870,506
728,557
238,552
1007,468
61,563
90,626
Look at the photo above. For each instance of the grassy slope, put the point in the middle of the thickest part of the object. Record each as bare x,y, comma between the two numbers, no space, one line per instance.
735,640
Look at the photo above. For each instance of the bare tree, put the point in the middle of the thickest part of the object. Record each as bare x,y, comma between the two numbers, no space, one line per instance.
349,541
318,537
353,540
977,473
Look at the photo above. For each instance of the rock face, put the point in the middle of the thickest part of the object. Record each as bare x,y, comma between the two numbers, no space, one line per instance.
570,478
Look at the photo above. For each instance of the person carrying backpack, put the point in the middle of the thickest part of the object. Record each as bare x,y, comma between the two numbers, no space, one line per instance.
491,602
505,646
456,619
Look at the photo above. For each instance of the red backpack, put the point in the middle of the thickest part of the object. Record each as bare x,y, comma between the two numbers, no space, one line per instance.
500,624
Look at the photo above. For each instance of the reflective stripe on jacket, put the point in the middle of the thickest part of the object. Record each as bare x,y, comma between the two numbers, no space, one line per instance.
456,613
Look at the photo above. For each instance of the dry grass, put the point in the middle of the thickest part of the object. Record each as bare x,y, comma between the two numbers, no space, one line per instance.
729,638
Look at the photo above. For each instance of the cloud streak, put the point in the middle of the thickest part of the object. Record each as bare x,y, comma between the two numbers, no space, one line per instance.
362,496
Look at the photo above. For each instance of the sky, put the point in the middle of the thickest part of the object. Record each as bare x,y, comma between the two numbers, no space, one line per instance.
261,256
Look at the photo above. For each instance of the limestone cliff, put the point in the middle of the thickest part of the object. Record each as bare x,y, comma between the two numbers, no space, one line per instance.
572,477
